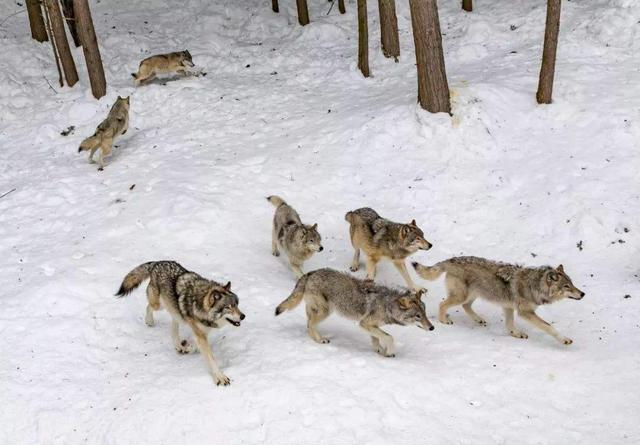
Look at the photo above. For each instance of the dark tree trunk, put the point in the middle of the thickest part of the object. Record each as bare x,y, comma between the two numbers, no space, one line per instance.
90,48
61,42
433,90
341,7
303,12
70,18
47,21
36,22
548,67
467,5
389,29
274,6
363,38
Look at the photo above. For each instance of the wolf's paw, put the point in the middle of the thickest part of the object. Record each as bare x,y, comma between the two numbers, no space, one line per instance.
323,340
149,321
275,253
354,268
186,348
518,334
446,320
221,379
100,169
481,321
566,341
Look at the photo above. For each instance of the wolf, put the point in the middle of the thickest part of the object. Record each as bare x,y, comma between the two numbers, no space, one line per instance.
514,287
327,290
381,238
177,62
190,299
116,124
299,241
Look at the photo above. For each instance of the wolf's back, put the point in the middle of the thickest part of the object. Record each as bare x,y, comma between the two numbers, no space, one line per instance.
364,215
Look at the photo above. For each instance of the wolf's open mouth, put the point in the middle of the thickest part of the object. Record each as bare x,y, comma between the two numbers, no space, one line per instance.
233,322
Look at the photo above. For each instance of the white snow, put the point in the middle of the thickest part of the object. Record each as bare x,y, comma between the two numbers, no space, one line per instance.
503,178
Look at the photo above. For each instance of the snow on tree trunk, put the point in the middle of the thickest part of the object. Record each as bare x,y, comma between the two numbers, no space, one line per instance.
389,29
303,12
363,38
90,48
548,67
36,22
433,90
62,44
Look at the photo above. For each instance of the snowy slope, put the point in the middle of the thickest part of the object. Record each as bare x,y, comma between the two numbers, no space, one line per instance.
284,110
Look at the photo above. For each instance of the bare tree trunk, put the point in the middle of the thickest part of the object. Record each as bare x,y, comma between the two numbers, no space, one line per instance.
62,44
341,7
36,22
433,90
303,12
363,38
47,21
548,67
87,35
467,5
389,29
70,18
274,6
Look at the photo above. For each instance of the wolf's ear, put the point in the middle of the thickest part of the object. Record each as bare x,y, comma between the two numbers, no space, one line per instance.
413,223
314,227
227,286
209,300
560,268
420,293
404,231
404,302
552,276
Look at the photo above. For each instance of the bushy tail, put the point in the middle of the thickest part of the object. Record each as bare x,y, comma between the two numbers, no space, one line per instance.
430,272
89,143
296,296
276,200
134,278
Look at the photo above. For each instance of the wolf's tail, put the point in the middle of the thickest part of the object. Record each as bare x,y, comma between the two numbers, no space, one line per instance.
430,272
134,278
296,296
89,143
276,200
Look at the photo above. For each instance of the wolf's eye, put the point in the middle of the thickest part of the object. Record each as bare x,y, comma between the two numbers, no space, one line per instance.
418,317
566,286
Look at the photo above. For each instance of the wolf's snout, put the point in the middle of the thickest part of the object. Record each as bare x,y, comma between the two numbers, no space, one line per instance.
241,316
414,264
429,246
431,328
320,249
581,294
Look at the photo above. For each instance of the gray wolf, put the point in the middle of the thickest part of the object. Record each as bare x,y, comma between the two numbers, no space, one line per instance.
177,62
381,238
197,302
514,287
299,241
371,305
116,124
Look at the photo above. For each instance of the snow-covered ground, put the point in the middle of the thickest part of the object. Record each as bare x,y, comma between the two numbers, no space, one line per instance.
283,110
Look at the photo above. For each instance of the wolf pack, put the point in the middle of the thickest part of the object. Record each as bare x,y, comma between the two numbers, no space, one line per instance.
203,304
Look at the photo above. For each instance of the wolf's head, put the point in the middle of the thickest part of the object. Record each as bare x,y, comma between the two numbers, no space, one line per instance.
311,239
412,238
408,309
222,304
186,58
560,285
124,101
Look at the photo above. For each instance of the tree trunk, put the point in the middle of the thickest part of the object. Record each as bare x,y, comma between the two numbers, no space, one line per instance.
47,21
274,6
548,67
90,47
363,38
467,5
389,29
341,7
70,18
303,12
433,90
36,22
62,44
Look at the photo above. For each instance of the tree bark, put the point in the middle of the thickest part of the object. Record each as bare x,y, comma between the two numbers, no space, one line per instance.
363,38
61,42
389,29
90,48
274,6
70,18
36,21
47,21
467,5
341,7
433,90
548,67
303,12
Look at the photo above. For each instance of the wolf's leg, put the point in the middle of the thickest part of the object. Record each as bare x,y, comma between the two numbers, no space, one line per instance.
154,304
371,267
384,339
296,268
93,150
539,323
508,321
274,242
457,293
375,342
205,349
471,313
402,268
182,346
355,264
315,314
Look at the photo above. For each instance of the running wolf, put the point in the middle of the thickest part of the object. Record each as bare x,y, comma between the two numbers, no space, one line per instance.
190,299
299,241
513,287
381,238
116,124
178,62
327,290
